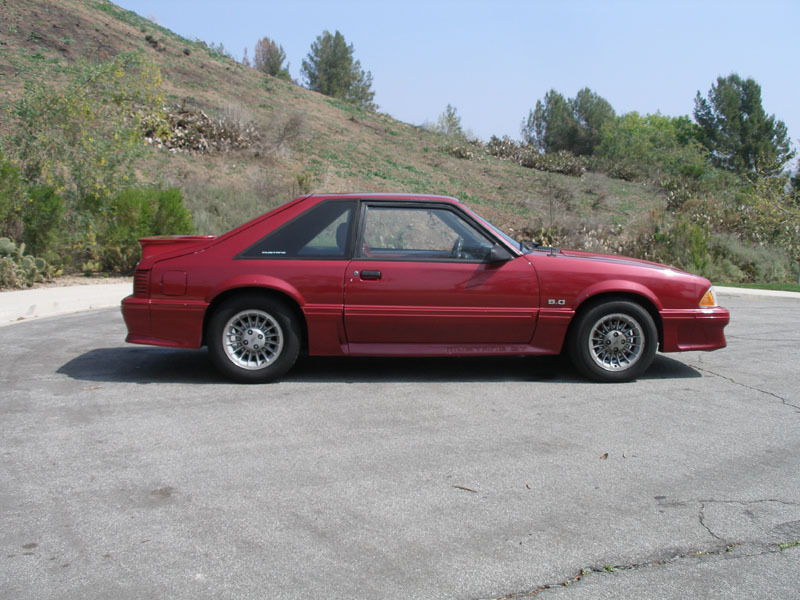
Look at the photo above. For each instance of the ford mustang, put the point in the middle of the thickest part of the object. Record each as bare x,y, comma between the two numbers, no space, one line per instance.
408,275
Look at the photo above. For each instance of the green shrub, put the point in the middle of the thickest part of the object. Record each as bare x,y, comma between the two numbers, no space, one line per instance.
12,196
650,147
42,218
459,150
738,261
529,156
18,269
559,162
171,216
84,134
135,213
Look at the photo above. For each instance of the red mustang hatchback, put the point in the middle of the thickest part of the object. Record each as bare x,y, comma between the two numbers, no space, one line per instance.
407,275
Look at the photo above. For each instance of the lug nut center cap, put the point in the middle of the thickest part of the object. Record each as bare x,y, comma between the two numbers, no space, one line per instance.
253,338
615,341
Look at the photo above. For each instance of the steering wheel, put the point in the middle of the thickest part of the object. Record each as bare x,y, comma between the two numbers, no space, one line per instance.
458,246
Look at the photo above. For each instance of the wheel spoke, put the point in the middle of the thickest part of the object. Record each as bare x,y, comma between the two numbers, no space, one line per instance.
615,342
253,339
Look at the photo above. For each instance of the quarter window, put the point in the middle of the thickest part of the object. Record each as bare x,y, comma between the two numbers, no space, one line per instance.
321,232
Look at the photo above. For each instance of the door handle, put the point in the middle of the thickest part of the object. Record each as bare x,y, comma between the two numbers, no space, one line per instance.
371,275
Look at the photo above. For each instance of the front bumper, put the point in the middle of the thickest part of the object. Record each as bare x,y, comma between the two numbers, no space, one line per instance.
694,329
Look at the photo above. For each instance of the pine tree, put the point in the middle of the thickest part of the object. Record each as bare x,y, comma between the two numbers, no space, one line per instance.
268,58
330,69
736,130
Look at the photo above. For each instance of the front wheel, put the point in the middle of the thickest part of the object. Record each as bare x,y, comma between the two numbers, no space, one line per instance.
614,341
253,339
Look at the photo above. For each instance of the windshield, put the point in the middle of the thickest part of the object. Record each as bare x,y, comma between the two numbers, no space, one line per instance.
524,247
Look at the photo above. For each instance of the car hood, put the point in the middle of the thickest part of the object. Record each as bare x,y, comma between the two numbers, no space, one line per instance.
609,258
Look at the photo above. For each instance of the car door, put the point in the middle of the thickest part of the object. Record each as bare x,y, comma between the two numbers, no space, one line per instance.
422,280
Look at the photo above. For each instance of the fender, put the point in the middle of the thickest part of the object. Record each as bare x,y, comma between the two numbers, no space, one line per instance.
618,286
255,281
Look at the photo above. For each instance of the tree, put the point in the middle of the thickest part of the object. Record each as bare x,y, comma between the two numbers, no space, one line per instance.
551,126
449,123
642,147
591,112
268,58
84,136
737,132
12,199
567,124
330,69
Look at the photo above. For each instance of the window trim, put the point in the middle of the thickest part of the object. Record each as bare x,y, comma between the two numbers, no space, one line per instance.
349,246
356,234
455,210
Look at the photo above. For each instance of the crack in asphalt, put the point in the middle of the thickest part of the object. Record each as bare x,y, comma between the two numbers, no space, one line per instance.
746,386
725,547
611,569
701,513
701,517
749,502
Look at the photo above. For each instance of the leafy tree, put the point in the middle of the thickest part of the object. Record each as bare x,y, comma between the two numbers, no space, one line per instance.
591,112
739,134
551,126
12,196
268,58
573,124
219,50
796,183
330,69
42,218
649,146
83,137
136,213
449,123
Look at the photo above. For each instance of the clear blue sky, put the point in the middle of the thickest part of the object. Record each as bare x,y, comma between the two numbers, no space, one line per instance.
493,59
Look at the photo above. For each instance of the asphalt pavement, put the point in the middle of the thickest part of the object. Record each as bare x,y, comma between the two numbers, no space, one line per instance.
134,472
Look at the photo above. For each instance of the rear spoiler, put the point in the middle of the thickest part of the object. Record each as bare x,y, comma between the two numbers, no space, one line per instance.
161,244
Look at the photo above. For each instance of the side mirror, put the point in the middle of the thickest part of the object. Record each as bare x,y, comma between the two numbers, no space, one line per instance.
498,254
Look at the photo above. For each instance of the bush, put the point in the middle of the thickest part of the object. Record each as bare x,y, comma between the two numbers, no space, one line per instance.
529,156
41,219
18,269
737,261
84,135
462,151
12,194
135,213
651,147
559,162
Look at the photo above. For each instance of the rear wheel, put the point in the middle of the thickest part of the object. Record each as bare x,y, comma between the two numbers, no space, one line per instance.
614,341
253,339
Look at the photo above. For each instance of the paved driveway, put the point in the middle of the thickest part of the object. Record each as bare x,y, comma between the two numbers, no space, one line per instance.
135,472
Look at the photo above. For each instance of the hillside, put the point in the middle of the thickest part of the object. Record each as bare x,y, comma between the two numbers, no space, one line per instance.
305,141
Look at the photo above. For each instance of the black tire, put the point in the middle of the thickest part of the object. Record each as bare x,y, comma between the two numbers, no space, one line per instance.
614,341
253,338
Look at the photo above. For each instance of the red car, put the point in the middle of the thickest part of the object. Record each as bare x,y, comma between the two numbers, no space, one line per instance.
407,275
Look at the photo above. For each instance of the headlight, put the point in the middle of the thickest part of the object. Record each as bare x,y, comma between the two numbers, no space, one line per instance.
709,299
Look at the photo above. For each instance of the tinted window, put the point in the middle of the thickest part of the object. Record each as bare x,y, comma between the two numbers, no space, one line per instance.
421,233
321,232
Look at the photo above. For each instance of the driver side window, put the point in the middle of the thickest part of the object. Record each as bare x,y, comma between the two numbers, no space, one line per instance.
421,233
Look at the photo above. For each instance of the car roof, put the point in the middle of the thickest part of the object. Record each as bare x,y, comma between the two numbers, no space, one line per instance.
387,196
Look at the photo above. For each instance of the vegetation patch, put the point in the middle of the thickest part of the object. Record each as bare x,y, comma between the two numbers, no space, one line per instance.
101,101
